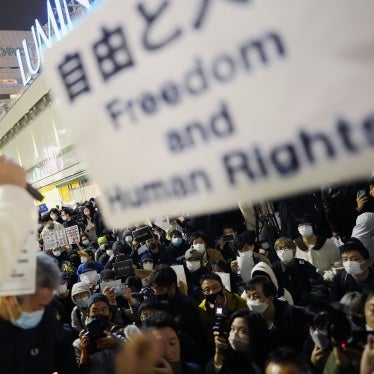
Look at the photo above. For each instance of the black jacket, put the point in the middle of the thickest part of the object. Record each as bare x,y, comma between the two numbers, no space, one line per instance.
42,350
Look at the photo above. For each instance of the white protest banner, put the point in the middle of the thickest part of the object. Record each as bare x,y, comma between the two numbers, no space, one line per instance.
220,101
225,278
22,278
181,275
72,234
54,239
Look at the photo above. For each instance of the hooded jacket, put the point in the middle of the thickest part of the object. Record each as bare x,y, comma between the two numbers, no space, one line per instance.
364,231
78,315
282,293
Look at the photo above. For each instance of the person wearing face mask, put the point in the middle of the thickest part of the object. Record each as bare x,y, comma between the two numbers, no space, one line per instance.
80,295
215,295
194,270
87,257
177,247
147,262
95,348
163,281
155,250
357,272
247,257
298,276
55,215
286,323
32,339
321,252
244,348
199,241
50,226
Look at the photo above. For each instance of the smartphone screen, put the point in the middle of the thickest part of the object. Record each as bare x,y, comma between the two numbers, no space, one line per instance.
361,192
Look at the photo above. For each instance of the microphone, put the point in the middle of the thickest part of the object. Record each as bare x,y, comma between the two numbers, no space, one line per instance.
34,192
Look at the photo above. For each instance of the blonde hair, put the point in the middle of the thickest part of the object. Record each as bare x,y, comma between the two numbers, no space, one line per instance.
284,242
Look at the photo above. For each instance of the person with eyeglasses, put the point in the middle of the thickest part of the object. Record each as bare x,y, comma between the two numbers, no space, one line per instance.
216,299
357,272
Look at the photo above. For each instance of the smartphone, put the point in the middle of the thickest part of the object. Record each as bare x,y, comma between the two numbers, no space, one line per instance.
228,237
361,192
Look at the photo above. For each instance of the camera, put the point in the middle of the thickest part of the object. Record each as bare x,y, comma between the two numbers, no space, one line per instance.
145,293
220,323
95,330
228,237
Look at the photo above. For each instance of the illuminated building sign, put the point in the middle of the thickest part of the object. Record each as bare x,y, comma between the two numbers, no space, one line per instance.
58,25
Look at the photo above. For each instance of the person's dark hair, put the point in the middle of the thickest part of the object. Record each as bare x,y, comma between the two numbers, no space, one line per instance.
211,276
258,333
160,320
134,281
152,304
199,234
228,226
91,208
163,276
176,233
241,240
107,274
354,244
46,218
55,211
67,211
287,356
268,287
223,265
304,219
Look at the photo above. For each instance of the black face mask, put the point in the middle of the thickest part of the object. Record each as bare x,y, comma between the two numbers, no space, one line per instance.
211,298
152,246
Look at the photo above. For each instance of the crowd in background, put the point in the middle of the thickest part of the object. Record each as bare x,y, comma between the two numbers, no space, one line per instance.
297,291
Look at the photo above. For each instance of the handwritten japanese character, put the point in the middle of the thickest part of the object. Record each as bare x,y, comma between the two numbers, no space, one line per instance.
151,18
204,9
72,73
112,53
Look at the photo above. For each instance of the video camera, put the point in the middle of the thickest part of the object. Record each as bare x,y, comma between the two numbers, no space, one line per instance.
95,330
145,293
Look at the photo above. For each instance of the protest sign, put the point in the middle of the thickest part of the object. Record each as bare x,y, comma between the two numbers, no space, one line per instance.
228,100
72,234
123,268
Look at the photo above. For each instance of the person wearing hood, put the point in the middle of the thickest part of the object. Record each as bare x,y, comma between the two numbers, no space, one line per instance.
364,231
80,295
194,270
286,324
321,252
262,269
96,346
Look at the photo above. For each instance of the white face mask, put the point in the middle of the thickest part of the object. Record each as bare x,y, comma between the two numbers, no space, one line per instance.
320,338
257,306
285,255
352,267
56,253
246,253
109,252
199,247
85,242
237,343
193,265
128,238
148,266
54,217
83,259
305,230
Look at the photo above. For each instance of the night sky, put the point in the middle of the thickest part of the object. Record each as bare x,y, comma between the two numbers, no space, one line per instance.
20,14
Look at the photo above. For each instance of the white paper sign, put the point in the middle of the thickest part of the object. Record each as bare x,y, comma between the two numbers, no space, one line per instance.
22,280
227,100
225,277
72,234
246,265
181,275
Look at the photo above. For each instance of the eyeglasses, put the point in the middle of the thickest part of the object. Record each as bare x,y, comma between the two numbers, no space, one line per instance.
213,289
